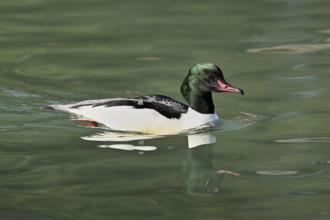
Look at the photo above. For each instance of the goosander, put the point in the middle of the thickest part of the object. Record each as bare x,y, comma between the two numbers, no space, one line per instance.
159,114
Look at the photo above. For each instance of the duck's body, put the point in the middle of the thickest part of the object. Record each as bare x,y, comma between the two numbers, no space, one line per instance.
153,114
158,114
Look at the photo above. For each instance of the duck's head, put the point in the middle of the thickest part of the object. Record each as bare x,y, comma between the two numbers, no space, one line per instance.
207,77
202,79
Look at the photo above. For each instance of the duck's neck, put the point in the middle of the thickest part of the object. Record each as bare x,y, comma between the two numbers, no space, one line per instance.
201,102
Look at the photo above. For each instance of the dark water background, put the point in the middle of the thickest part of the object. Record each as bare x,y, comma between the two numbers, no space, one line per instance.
277,136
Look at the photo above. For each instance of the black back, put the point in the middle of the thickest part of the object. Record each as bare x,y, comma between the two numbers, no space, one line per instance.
166,106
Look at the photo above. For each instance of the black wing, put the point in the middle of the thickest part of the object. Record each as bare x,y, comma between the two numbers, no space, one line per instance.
166,106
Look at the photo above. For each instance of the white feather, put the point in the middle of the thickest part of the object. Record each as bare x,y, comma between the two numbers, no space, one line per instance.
127,118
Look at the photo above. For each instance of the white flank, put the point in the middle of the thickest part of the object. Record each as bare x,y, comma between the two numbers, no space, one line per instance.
127,118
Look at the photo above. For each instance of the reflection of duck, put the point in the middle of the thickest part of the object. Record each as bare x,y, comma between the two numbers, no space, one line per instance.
194,140
158,114
201,177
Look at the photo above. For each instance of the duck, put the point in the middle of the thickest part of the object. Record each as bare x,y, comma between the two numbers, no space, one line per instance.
159,114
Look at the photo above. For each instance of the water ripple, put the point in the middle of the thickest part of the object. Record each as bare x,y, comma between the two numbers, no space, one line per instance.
13,160
304,140
16,56
320,162
16,94
290,49
277,172
291,173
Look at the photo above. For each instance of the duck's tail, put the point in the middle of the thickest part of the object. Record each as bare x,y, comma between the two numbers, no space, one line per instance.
48,107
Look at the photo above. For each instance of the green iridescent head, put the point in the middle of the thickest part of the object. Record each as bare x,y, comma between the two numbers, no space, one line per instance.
202,79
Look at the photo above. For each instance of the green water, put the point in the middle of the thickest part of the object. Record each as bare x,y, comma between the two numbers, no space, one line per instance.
276,137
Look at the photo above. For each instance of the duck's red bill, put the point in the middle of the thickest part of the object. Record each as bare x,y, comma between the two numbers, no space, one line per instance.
225,87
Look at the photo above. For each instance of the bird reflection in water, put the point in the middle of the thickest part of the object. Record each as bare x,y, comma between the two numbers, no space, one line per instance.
201,177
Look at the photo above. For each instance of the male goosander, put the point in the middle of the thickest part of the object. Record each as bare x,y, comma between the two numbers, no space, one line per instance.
158,114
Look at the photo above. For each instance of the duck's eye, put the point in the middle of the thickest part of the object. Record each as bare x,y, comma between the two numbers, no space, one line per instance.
209,79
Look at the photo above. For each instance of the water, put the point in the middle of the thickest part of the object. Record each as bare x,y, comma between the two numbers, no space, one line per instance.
269,160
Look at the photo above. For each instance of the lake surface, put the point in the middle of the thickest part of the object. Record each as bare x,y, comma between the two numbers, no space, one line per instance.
269,160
